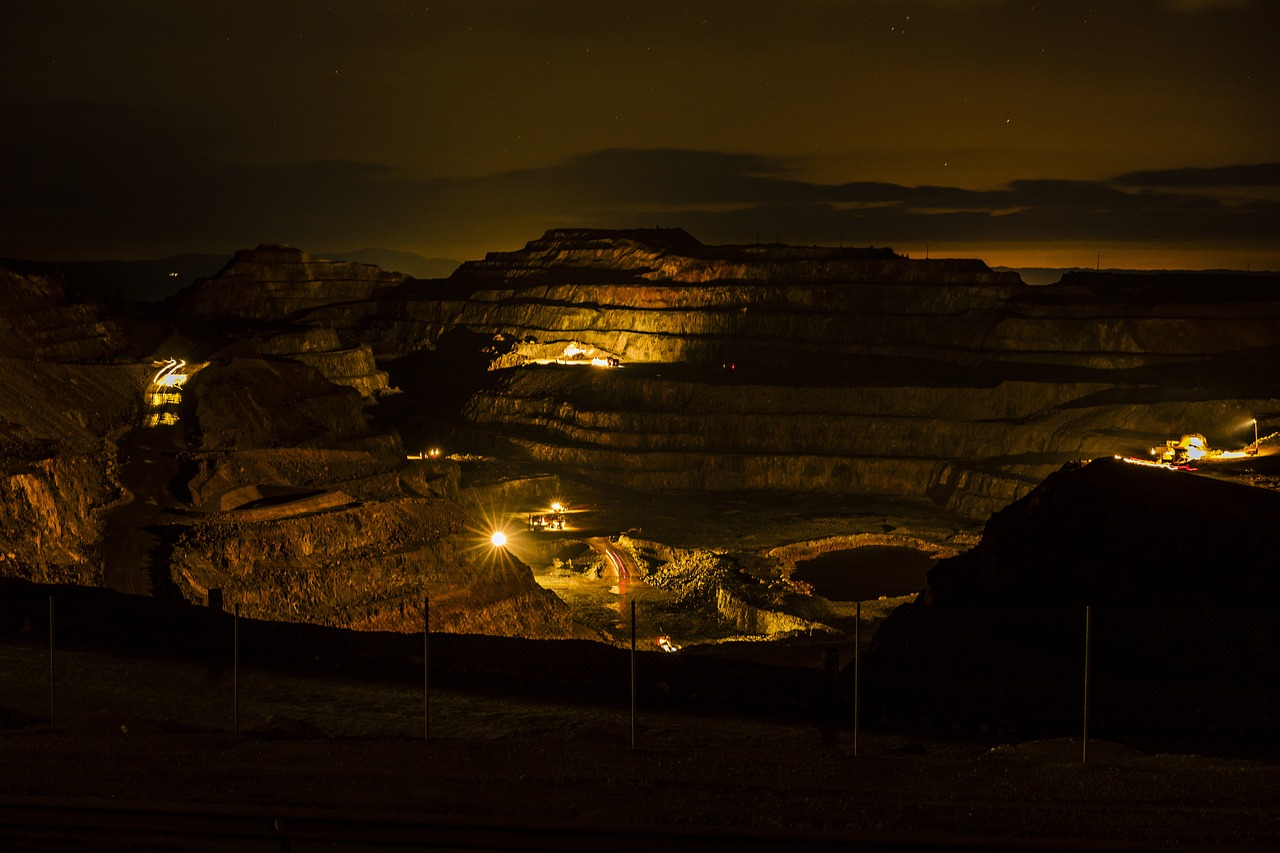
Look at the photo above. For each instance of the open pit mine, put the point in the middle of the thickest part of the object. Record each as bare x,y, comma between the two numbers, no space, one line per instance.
329,442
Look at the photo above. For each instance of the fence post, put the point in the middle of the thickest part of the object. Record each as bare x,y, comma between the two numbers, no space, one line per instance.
633,674
857,673
52,718
235,675
1084,750
426,667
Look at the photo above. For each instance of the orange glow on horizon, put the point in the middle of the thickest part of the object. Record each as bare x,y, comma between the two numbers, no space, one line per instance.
1091,256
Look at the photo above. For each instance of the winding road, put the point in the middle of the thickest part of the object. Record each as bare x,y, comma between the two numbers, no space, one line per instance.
148,466
622,563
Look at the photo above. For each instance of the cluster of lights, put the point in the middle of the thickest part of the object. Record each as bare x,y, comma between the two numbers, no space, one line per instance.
1179,455
553,519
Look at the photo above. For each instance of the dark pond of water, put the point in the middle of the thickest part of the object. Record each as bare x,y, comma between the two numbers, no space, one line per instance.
860,574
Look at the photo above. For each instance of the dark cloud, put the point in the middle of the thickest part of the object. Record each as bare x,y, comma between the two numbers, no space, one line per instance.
457,126
150,184
1257,175
737,197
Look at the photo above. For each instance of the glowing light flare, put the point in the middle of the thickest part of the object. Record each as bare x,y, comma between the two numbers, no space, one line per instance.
1148,463
492,534
169,375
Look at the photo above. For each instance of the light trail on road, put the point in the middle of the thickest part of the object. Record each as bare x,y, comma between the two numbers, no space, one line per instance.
169,375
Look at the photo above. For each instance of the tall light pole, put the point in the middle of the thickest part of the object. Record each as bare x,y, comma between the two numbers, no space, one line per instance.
1255,436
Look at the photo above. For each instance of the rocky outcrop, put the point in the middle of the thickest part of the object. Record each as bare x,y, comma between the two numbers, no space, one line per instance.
1154,587
340,361
673,255
38,320
369,566
1118,535
230,480
754,620
58,429
250,403
301,510
275,282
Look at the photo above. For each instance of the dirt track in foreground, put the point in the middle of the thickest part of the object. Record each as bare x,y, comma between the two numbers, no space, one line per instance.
490,756
688,772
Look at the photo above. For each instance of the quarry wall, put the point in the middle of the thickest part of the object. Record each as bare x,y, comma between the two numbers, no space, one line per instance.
797,368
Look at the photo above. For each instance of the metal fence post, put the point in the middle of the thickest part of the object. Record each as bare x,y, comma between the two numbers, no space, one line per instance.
857,673
235,675
1084,750
52,718
633,674
426,667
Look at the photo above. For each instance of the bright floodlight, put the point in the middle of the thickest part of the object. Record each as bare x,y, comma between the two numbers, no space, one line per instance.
498,539
557,507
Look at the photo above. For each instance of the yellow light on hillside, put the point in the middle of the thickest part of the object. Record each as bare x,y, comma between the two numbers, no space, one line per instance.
498,539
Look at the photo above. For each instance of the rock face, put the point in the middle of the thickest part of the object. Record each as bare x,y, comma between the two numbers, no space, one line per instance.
274,282
674,255
39,320
249,403
849,371
340,361
366,564
62,409
837,370
301,510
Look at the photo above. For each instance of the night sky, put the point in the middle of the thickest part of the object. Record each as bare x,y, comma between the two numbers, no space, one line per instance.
1142,133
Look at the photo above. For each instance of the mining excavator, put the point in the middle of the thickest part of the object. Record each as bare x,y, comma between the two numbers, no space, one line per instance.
1183,451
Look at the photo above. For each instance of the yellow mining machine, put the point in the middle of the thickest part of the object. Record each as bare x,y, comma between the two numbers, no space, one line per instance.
1183,451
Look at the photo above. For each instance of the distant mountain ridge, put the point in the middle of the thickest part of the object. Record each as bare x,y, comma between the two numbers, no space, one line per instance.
131,281
158,279
1049,275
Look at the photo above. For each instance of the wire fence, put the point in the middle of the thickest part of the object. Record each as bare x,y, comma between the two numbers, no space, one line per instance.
1157,678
